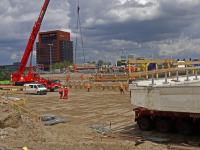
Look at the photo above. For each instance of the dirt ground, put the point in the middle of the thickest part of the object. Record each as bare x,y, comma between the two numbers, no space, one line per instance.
82,108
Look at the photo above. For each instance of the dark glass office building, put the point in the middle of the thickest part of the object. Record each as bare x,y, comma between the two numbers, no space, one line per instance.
58,42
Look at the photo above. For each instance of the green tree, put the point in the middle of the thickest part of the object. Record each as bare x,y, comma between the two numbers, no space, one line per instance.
88,62
100,62
94,62
4,75
61,65
119,63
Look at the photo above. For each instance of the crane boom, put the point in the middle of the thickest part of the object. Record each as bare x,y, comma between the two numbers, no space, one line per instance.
31,41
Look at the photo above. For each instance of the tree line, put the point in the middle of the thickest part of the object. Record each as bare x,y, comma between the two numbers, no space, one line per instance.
4,74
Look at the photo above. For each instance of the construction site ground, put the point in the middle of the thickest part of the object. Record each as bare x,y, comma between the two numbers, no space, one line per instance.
81,109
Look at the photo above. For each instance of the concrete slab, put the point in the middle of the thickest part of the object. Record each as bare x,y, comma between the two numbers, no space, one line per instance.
180,96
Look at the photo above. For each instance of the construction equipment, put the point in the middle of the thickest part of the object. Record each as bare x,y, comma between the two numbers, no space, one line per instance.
50,84
105,67
78,26
20,78
166,107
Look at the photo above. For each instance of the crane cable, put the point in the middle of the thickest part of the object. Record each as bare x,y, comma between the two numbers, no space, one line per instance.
79,25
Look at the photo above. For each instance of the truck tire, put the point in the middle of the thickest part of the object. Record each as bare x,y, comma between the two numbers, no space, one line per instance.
164,126
145,124
185,128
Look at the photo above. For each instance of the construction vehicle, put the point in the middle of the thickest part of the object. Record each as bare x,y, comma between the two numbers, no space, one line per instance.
50,84
105,67
20,78
35,88
166,107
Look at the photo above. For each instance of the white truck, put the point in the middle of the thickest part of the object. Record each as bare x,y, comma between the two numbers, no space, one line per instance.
35,88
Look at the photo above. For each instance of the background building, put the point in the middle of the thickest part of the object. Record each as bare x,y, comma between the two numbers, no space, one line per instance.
61,50
14,67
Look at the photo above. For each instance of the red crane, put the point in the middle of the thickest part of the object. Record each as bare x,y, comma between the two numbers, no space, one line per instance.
20,78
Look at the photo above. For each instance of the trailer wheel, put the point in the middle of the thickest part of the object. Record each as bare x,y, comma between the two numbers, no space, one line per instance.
164,126
52,90
185,128
144,124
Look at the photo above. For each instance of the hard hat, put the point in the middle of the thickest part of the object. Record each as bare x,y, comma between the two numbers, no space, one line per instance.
25,148
82,73
65,87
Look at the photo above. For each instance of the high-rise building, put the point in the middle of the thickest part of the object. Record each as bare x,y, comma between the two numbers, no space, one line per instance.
58,43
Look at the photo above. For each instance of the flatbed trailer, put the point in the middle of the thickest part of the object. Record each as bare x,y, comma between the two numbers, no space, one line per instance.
165,121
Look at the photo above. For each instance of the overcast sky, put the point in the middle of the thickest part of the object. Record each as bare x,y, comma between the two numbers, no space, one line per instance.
164,28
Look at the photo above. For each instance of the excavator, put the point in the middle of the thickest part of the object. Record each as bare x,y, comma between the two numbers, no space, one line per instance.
20,78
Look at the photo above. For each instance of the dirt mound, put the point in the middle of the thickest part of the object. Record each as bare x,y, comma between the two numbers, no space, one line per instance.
16,126
9,117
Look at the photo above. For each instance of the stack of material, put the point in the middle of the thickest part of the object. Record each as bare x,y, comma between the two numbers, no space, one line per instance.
13,100
51,119
194,142
117,137
180,147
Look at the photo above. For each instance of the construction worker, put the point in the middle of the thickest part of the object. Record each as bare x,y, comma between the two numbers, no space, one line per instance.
82,77
66,93
115,77
96,76
68,77
100,77
88,87
122,89
113,69
61,92
91,77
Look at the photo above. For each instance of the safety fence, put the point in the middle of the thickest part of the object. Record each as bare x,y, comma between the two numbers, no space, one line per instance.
6,97
96,86
171,66
104,78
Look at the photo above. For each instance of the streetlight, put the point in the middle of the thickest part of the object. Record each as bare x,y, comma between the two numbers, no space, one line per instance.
172,53
122,51
151,52
50,58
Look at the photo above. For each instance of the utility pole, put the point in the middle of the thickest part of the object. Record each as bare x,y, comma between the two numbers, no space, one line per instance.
50,58
122,51
151,52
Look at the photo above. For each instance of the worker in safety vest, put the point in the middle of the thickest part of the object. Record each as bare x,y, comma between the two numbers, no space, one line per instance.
96,76
61,92
91,77
82,77
100,77
122,89
113,69
88,87
68,77
66,93
115,77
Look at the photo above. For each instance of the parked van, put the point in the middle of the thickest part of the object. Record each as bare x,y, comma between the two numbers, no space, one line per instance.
35,88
